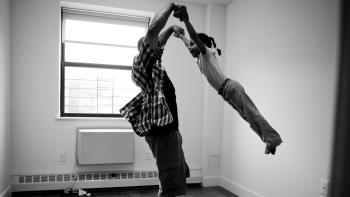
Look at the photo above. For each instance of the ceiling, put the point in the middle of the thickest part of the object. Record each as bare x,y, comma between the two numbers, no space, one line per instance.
222,2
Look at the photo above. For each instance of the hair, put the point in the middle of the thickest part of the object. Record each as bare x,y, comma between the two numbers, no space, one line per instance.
139,43
208,41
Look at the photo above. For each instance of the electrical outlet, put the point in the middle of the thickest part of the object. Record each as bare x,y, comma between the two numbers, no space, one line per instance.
62,156
148,155
324,188
214,161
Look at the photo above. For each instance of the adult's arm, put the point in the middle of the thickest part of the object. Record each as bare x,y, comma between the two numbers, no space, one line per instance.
164,36
184,39
158,24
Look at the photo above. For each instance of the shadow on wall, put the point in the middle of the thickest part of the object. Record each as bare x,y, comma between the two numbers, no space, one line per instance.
341,154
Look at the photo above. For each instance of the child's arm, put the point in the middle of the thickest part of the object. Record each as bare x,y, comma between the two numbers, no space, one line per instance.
193,34
185,40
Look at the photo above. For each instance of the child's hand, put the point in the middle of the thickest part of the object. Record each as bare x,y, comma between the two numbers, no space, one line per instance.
178,31
178,35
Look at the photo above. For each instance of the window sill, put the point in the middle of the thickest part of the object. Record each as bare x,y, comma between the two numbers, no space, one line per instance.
92,118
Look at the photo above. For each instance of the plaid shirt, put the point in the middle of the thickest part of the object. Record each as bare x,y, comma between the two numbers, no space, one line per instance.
149,107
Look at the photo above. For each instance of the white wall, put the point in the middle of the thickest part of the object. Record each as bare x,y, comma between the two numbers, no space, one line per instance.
37,133
5,153
212,103
285,55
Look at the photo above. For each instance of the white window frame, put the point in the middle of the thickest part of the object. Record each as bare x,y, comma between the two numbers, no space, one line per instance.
94,15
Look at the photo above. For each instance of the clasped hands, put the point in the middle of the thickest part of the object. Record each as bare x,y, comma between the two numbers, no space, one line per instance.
180,12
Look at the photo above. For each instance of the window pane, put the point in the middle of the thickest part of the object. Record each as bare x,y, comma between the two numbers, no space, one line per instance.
97,90
99,54
80,109
87,31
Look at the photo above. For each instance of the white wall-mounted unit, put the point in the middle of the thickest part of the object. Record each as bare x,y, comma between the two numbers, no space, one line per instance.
105,146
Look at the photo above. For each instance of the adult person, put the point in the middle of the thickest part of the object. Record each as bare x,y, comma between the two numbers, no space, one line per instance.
153,112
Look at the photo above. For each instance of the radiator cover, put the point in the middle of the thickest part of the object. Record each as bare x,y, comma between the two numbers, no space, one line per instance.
105,146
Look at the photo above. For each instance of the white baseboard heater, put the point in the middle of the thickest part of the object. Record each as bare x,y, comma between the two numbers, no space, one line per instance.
105,146
110,179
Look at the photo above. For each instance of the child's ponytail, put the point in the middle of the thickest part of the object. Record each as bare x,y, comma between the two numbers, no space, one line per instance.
214,44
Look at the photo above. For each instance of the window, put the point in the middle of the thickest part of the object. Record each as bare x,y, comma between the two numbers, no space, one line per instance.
97,54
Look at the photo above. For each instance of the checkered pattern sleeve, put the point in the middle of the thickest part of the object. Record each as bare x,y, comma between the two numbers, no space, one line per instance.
142,67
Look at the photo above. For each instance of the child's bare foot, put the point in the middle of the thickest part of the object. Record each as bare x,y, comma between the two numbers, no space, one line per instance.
270,148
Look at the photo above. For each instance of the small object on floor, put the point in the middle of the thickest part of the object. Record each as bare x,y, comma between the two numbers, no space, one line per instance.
70,191
83,193
80,192
67,191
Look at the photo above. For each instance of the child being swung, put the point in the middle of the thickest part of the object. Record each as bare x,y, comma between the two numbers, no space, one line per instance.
204,49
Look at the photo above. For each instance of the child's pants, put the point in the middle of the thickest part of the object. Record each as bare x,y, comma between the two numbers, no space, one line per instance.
234,94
